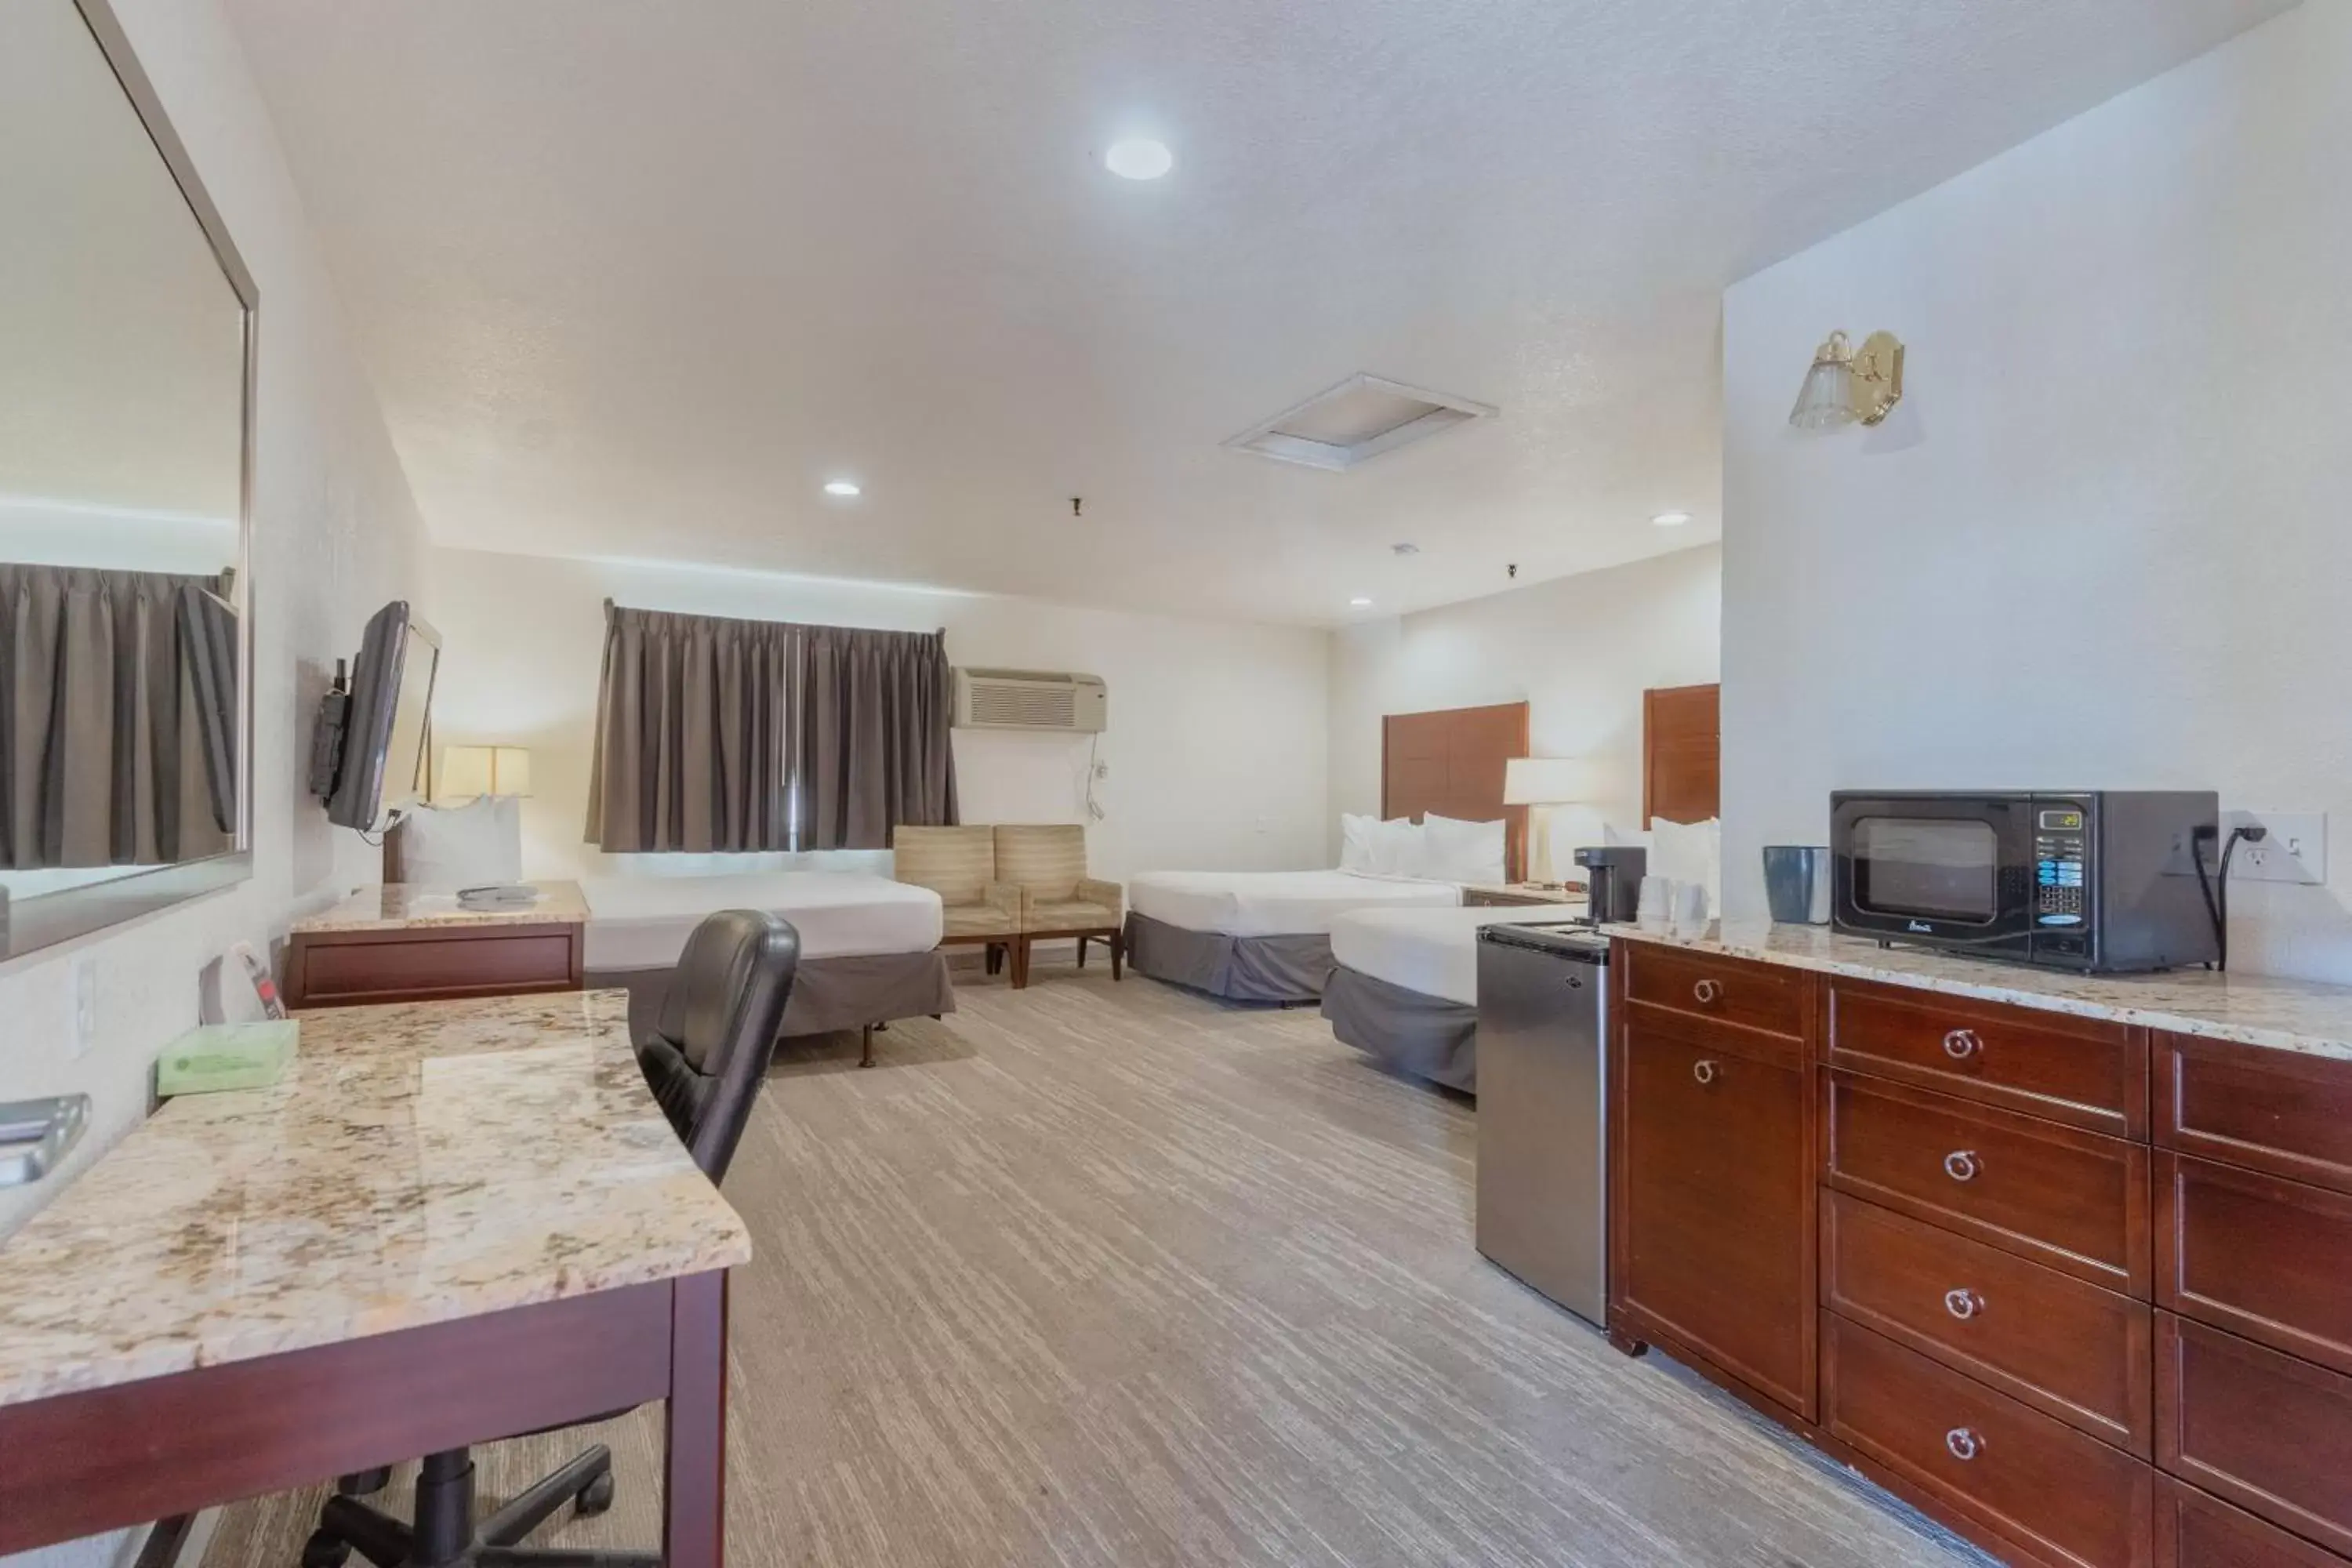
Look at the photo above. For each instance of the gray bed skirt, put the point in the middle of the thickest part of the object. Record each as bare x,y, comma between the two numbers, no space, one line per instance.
828,993
1412,1031
1237,968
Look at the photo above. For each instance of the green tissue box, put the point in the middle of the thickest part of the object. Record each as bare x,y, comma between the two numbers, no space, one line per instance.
227,1056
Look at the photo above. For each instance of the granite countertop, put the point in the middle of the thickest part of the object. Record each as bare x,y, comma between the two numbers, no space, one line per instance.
396,905
2253,1009
417,1163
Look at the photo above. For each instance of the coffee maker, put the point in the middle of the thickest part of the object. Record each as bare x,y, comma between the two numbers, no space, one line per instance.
1612,881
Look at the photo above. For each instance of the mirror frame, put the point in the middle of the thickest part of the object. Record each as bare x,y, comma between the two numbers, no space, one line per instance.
49,919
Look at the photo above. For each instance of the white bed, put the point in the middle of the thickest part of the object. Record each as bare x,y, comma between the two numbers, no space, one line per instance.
869,946
1434,952
1403,986
1275,903
642,922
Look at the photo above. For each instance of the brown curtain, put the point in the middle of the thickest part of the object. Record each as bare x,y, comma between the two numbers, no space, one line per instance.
718,734
115,746
870,747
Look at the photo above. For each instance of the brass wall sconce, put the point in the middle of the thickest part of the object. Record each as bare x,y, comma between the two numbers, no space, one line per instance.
1845,387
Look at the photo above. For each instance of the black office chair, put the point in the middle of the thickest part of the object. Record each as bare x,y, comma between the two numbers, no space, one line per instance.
704,1060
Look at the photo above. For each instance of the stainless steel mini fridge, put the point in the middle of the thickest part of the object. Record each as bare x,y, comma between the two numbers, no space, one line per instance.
1543,1159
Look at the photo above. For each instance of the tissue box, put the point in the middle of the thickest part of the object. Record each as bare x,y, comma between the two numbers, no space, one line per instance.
227,1056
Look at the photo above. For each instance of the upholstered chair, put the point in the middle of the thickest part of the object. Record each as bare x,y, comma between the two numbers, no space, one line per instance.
959,864
1058,900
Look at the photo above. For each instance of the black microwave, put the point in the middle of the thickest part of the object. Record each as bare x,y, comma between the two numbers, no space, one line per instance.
2097,880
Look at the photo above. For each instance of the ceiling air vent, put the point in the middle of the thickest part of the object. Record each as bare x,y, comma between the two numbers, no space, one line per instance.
1355,421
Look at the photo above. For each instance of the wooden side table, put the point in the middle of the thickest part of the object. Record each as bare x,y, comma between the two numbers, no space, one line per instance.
398,944
1515,894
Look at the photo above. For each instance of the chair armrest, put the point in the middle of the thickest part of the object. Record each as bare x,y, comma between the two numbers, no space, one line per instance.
1110,895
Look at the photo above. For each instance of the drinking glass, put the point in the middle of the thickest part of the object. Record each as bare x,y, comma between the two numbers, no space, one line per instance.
1687,909
1656,910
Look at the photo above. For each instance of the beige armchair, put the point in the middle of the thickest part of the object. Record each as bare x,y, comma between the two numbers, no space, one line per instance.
959,864
1058,900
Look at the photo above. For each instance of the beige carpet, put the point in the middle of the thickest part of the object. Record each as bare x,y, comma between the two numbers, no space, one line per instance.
1116,1277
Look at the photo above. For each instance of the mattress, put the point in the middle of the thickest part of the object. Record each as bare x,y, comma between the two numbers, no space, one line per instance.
1434,952
1275,904
642,922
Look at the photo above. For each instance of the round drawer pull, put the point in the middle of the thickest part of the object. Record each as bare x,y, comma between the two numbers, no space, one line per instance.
1962,1044
1963,1303
1707,991
1964,1444
1961,1165
1705,1072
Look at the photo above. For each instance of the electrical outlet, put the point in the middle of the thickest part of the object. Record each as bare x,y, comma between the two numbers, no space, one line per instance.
85,982
2295,849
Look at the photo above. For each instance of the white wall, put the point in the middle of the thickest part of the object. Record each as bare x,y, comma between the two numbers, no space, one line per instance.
2103,541
1215,745
1580,650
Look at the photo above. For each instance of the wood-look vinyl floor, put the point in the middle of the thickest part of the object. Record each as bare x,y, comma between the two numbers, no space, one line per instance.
1099,1276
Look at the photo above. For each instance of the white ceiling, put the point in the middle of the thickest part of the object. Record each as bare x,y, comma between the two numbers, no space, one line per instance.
634,280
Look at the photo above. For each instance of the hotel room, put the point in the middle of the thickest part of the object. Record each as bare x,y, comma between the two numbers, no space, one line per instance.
1178,784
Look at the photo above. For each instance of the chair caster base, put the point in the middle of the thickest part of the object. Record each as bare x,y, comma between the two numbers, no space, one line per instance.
597,1498
324,1551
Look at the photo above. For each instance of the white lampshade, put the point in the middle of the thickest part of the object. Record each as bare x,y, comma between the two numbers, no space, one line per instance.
1548,780
468,773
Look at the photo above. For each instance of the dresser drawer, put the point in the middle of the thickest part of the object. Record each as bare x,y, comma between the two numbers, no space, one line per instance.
1769,996
1988,1457
2071,1200
2279,1111
339,969
2080,1071
2264,1257
2067,1348
2265,1431
2193,1530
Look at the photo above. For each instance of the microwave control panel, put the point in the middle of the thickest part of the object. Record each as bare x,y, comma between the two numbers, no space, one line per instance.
2060,838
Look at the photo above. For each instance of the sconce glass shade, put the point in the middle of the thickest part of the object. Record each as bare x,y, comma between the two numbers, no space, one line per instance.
1826,400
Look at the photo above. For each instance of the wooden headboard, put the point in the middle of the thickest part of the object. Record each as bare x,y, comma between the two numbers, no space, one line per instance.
1682,753
1451,763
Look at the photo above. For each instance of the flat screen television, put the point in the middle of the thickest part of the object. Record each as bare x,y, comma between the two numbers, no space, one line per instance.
383,769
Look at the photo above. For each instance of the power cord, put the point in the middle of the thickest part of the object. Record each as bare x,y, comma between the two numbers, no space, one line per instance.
2217,889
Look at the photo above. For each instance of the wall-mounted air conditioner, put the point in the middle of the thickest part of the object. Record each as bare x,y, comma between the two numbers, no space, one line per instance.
1030,700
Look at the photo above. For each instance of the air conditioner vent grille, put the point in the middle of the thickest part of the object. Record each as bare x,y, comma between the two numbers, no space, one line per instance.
1031,707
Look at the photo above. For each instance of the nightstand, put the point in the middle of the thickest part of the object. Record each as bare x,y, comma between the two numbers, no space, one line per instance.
1513,894
398,943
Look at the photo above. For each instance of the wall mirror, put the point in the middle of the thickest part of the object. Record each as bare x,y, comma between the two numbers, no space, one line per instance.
126,408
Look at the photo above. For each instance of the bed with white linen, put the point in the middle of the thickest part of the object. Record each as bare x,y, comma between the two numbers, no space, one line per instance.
869,946
1404,984
1266,936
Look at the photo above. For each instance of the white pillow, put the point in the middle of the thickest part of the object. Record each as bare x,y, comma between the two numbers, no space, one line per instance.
1356,841
1396,848
468,846
1690,852
1458,851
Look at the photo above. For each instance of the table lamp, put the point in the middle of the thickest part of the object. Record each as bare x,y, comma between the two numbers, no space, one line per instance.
1540,784
469,772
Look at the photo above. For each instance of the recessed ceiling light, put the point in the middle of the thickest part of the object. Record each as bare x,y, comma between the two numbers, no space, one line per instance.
1138,158
1671,518
1405,549
844,487
1360,602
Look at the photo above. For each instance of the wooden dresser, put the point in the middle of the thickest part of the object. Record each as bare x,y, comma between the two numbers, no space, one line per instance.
2078,1286
401,943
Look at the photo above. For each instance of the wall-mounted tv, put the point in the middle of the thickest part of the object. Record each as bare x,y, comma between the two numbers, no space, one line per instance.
383,768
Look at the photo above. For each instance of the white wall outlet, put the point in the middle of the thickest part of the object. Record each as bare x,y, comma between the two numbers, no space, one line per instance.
85,984
2295,849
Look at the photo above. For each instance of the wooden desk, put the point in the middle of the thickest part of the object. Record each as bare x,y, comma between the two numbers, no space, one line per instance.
449,1223
399,944
1515,895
